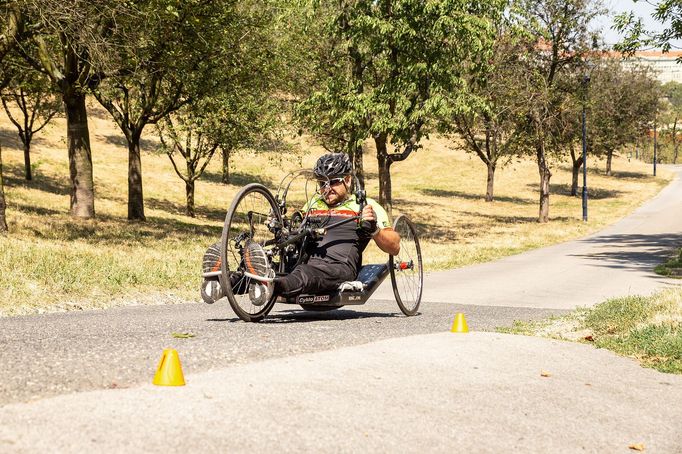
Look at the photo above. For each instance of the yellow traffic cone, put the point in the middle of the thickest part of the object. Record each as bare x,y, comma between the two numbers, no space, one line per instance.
459,325
169,372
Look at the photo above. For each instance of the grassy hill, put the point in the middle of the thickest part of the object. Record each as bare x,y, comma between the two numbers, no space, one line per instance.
50,261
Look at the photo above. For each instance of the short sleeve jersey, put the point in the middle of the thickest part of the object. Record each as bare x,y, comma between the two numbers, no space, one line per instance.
344,243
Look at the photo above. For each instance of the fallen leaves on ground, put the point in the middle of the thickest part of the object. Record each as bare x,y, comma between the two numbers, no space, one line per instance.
183,335
637,447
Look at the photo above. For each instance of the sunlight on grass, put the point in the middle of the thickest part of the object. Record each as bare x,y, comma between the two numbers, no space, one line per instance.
51,261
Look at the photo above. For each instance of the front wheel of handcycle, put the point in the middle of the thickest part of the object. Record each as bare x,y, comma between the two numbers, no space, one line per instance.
407,274
253,217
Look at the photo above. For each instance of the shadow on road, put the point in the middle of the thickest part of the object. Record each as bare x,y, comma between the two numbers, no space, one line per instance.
301,316
636,252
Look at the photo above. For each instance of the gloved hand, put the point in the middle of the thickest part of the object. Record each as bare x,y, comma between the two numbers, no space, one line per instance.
368,221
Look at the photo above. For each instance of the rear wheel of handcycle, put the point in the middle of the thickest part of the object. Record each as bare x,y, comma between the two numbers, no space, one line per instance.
407,275
251,217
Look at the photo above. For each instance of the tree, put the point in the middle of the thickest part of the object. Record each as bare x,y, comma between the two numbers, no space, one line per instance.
66,41
12,26
560,32
623,103
170,53
250,118
32,94
488,129
403,64
193,134
195,138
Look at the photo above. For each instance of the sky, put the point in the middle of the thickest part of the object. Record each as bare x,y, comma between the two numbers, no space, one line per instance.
641,9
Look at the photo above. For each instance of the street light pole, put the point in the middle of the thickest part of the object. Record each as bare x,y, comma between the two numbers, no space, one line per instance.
655,141
586,81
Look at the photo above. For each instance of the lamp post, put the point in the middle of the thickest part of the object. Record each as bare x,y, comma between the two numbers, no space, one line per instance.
586,82
655,141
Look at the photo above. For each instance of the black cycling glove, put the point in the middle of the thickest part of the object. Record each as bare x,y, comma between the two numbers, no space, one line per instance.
368,227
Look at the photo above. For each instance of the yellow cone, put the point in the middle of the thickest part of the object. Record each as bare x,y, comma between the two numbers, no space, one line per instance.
169,372
460,324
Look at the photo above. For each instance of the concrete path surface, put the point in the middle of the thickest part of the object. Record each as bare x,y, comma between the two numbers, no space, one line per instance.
617,261
476,392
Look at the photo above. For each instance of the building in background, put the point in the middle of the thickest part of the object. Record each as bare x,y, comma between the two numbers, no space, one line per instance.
664,65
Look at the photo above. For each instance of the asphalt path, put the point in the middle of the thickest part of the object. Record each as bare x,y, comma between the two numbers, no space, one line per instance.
360,379
52,354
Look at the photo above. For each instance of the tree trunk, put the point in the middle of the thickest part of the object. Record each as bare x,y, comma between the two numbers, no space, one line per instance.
490,182
609,158
135,196
27,160
545,175
577,164
3,206
189,190
226,166
676,144
384,173
80,156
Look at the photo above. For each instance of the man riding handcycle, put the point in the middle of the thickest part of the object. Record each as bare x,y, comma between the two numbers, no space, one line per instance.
312,258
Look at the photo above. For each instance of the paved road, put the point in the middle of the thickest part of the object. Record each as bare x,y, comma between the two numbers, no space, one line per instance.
357,380
53,354
481,392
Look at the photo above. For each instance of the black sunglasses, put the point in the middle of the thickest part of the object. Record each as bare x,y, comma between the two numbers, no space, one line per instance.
330,182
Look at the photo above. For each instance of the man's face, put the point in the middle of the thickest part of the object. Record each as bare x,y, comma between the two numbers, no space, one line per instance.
334,190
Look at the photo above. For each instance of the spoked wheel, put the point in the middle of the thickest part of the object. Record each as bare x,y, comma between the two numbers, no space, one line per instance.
252,217
407,275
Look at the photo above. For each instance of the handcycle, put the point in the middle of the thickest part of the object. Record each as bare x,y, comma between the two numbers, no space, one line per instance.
256,215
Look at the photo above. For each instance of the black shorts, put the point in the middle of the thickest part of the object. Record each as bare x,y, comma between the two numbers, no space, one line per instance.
316,276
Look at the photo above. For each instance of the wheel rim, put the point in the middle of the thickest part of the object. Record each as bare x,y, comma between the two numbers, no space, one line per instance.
406,267
248,219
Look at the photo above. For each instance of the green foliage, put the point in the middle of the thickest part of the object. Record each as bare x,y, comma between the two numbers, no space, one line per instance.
167,53
623,104
389,69
489,124
668,13
559,42
394,64
33,94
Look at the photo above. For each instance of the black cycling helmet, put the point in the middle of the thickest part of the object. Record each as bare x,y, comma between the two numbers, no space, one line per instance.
333,165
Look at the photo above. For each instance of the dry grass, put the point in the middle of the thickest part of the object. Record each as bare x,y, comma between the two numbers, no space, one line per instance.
50,261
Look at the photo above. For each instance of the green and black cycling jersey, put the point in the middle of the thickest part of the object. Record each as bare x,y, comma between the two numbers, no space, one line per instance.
345,243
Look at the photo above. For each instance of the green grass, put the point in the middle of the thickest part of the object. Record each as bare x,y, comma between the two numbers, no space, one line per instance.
646,328
672,267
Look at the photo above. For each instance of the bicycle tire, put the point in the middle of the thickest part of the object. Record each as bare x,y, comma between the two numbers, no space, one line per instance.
252,201
407,273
